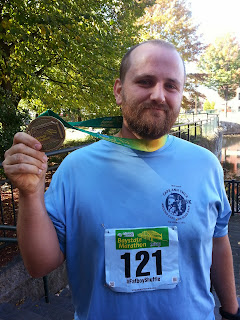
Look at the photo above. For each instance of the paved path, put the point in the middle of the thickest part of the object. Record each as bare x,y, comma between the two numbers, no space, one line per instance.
60,306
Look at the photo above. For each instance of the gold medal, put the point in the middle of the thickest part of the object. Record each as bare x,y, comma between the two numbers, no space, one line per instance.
49,131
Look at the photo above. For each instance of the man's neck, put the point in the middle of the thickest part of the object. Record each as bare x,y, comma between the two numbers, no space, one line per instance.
150,144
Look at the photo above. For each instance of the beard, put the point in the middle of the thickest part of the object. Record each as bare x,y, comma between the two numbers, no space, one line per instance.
146,121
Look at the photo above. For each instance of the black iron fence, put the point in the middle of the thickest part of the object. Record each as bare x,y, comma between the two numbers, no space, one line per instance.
232,189
189,128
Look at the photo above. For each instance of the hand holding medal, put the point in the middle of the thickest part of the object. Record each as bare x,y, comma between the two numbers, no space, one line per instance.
49,131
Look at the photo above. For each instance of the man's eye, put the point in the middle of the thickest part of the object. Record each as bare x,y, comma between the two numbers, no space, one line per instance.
145,82
170,86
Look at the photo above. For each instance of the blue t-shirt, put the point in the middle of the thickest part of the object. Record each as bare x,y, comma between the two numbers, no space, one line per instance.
107,186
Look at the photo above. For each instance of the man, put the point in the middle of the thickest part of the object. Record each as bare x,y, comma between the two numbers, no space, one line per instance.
106,211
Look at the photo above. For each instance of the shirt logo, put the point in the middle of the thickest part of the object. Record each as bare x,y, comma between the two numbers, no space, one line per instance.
176,204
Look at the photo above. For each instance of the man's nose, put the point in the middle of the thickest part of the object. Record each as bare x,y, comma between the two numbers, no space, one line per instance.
158,94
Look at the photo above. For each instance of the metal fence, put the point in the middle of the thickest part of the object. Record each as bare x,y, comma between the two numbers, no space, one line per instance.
232,190
196,125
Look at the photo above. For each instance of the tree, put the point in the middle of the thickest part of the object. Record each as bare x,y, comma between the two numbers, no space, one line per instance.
221,62
171,21
64,55
208,105
192,99
65,52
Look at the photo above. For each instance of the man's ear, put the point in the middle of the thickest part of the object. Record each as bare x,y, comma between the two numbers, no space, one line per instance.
117,89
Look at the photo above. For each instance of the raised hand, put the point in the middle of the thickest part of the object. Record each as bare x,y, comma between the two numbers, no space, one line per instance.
25,165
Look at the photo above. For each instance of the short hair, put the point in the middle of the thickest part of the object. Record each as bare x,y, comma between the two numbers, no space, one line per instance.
125,63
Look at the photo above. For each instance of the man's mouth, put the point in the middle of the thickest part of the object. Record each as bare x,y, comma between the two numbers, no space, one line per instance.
156,107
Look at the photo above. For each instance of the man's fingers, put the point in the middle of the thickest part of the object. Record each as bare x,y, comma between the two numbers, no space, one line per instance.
22,168
22,137
24,156
19,163
24,164
17,152
20,158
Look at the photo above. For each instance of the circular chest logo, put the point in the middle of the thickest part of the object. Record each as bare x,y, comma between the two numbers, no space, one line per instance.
177,204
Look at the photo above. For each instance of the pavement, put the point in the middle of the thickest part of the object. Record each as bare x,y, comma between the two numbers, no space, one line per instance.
60,306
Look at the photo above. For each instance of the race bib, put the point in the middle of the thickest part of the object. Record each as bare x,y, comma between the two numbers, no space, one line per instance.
141,259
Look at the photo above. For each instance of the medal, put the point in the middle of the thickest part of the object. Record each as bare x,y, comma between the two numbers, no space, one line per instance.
49,131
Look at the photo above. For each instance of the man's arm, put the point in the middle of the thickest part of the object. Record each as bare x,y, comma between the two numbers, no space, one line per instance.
222,274
26,166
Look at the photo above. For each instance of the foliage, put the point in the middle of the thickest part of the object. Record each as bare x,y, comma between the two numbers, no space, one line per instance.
64,55
11,119
208,105
171,21
221,62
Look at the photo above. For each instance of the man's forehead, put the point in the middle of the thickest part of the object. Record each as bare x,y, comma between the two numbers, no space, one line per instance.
149,55
145,47
150,52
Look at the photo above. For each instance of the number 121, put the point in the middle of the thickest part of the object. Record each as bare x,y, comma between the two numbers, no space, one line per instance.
143,263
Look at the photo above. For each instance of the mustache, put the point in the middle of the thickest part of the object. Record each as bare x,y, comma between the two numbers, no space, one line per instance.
157,106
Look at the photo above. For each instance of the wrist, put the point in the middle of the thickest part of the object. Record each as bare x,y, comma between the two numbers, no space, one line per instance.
32,192
228,315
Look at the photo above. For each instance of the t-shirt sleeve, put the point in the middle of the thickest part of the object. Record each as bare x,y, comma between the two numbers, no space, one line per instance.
224,210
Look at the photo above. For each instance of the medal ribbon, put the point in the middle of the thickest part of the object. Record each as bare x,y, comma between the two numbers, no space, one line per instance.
111,122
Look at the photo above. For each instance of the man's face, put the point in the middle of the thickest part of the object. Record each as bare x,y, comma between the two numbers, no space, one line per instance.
151,93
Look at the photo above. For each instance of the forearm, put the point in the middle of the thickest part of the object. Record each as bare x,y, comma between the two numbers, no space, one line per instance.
37,237
222,274
26,166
